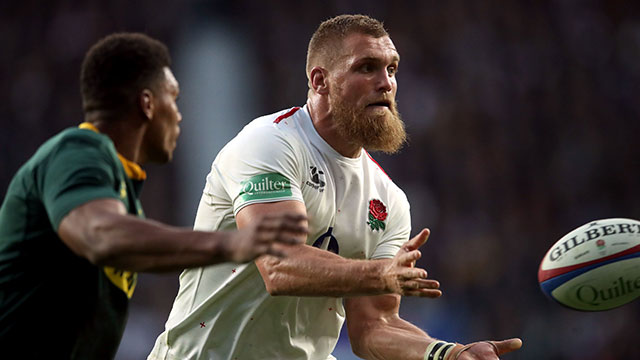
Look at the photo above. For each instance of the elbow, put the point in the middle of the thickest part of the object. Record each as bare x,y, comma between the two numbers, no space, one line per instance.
100,254
273,291
274,280
99,257
100,250
273,284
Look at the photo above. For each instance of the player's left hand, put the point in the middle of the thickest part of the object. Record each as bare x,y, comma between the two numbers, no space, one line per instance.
485,350
403,278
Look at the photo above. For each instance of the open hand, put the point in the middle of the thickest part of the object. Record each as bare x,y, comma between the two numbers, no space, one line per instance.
402,277
485,350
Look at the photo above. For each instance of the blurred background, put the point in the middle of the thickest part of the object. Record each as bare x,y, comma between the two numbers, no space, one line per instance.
524,119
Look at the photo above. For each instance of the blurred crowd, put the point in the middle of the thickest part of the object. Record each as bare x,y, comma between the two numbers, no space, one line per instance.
522,117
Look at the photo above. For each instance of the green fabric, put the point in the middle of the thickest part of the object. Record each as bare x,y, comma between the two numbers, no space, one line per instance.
53,303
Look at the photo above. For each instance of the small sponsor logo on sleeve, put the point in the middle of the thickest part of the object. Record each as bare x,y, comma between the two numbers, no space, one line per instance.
265,186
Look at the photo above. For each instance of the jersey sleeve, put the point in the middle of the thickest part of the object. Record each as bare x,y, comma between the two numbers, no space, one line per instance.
260,165
79,170
398,230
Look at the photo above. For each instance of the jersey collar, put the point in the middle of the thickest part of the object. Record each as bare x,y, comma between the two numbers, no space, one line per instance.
133,170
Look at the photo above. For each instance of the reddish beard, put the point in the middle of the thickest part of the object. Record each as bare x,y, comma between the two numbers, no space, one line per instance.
374,132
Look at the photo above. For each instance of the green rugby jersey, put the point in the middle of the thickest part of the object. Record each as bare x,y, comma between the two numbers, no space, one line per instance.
53,303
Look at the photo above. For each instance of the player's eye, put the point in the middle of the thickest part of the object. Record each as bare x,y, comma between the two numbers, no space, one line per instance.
366,68
392,70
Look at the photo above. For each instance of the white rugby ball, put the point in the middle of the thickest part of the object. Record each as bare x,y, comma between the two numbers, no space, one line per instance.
594,267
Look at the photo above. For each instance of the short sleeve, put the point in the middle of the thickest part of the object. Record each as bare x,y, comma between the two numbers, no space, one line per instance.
260,165
79,170
399,229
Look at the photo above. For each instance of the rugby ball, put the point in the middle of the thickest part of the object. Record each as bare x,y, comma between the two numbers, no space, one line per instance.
594,267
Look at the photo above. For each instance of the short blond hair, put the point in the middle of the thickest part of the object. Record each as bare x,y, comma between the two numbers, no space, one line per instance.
326,40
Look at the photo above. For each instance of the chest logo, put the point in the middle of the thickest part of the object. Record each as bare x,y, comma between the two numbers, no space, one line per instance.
317,179
377,215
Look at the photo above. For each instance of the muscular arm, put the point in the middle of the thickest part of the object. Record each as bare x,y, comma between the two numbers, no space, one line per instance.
376,330
103,232
309,271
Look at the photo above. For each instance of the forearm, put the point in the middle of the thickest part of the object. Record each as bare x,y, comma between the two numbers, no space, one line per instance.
308,271
395,338
130,243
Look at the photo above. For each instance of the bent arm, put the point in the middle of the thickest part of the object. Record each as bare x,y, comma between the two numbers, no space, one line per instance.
309,271
102,232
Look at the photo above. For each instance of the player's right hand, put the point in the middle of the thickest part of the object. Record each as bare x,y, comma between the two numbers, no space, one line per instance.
258,238
402,277
485,350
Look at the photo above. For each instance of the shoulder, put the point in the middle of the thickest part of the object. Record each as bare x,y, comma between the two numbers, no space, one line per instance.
72,154
391,195
384,180
74,139
282,122
273,132
78,135
72,142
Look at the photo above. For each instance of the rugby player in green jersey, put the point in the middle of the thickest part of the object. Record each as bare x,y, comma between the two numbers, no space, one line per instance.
72,230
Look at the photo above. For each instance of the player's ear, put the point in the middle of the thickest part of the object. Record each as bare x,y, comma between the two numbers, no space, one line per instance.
318,79
146,103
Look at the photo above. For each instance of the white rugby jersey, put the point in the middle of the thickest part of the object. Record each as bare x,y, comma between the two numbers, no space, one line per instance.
354,210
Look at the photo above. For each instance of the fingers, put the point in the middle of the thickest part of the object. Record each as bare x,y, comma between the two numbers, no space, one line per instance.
421,287
284,222
288,240
282,228
420,284
413,273
417,240
424,293
507,346
488,349
408,259
275,252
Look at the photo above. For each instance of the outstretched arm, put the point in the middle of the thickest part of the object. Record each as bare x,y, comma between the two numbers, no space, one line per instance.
308,271
103,232
376,331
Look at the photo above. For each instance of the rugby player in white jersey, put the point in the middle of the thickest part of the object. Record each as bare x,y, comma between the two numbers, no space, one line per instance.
358,260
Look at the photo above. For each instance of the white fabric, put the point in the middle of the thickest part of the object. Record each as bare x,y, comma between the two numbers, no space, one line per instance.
224,311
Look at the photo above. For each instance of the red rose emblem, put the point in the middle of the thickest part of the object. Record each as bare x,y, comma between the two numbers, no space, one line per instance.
377,209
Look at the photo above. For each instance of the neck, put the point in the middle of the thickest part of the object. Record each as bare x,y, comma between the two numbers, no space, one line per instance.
126,134
322,118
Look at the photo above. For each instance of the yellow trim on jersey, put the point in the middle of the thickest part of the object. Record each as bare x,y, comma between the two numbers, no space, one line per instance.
124,280
133,170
